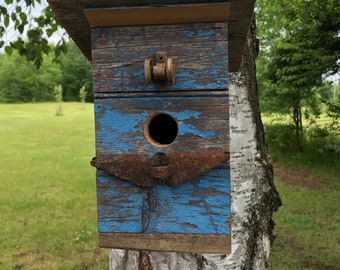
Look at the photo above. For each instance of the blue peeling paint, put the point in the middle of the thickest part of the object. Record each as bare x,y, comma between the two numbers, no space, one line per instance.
195,34
186,114
187,129
201,206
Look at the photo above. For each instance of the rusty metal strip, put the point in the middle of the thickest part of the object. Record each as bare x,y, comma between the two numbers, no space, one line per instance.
174,169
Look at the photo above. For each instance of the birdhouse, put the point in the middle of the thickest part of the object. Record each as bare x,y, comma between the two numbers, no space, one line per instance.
160,80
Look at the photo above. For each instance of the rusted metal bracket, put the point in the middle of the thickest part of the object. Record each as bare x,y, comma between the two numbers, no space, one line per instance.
161,69
173,169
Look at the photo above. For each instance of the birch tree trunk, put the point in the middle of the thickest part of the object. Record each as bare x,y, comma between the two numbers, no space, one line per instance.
254,197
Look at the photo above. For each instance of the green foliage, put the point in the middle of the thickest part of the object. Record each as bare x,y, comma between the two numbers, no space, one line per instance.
32,30
280,137
300,42
324,139
21,82
47,189
76,73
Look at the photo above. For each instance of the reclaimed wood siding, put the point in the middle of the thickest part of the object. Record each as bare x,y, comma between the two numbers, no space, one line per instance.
199,52
202,121
199,104
201,206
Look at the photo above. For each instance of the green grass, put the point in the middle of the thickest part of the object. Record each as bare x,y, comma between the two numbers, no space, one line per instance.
48,206
47,188
308,223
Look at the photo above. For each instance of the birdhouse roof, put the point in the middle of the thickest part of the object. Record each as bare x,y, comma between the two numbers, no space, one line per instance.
70,14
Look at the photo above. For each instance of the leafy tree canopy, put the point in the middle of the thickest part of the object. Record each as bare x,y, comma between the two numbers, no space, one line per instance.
21,82
32,30
299,45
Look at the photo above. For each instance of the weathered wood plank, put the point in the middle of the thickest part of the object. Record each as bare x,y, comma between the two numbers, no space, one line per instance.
119,53
193,243
156,15
124,107
202,124
201,206
119,205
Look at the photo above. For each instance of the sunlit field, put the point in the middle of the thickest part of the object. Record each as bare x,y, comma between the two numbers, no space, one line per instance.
47,188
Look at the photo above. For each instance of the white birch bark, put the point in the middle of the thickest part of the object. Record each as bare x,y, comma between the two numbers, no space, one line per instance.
253,194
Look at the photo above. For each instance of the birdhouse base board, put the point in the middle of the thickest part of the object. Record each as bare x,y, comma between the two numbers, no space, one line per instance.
193,243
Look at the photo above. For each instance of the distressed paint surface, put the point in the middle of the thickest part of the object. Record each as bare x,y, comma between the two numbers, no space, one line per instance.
201,206
198,102
193,208
199,52
120,124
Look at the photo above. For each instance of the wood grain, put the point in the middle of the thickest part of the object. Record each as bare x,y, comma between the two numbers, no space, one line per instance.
195,216
119,53
157,15
170,242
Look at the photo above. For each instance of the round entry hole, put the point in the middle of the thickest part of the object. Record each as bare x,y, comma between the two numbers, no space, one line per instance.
161,129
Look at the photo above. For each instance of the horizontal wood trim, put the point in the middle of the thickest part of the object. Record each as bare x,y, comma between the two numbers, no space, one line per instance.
193,243
176,14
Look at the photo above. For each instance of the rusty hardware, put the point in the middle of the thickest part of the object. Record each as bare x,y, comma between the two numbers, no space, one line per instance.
160,69
173,169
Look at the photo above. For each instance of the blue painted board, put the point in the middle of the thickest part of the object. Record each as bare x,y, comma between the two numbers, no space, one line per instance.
199,52
196,215
201,206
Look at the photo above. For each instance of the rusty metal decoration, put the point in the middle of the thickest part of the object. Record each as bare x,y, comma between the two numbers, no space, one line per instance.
174,169
161,69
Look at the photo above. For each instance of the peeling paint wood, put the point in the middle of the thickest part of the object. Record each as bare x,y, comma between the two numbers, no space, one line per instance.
196,215
200,207
193,208
199,52
202,124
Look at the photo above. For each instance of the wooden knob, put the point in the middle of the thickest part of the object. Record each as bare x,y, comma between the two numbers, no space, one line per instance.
162,70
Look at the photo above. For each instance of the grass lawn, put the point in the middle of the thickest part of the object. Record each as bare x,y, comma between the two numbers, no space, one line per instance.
48,204
47,188
308,223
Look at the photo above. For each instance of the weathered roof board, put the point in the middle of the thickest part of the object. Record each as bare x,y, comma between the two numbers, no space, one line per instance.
72,18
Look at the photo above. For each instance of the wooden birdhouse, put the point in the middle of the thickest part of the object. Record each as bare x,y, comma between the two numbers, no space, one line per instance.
160,80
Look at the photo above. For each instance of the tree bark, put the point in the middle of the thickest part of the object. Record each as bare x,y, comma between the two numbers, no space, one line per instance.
297,116
254,197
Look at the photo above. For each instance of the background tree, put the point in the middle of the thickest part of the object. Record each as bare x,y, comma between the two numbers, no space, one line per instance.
32,29
75,73
300,44
20,81
58,95
82,95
